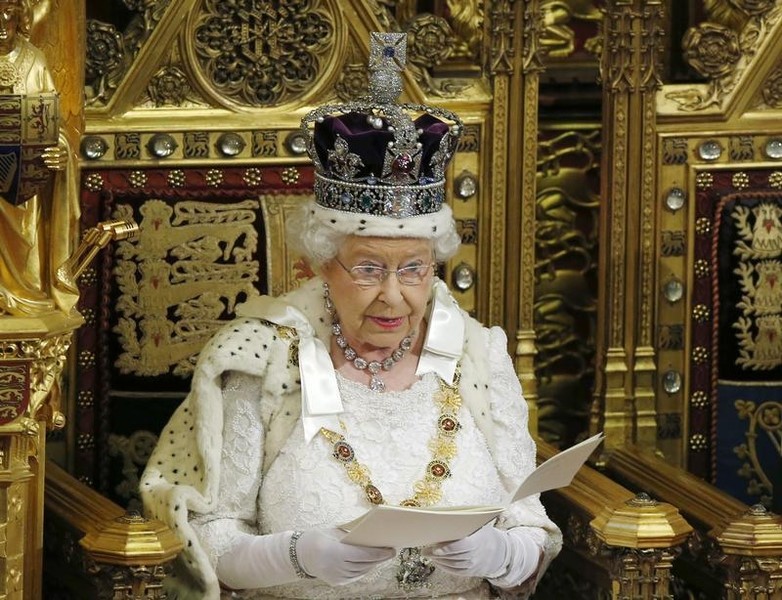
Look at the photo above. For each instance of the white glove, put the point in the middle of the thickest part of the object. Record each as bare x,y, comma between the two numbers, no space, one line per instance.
322,555
258,561
485,553
508,558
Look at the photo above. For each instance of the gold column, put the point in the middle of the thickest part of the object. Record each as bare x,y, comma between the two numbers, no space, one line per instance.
32,354
16,492
34,339
624,404
524,144
501,60
515,65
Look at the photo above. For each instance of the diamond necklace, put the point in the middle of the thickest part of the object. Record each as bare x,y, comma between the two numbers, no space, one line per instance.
376,384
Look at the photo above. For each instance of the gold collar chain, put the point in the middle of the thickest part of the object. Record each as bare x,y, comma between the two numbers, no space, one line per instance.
427,490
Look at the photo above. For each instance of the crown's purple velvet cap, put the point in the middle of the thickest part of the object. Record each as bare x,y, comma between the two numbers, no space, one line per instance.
370,144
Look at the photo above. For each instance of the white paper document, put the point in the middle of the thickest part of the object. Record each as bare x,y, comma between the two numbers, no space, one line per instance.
401,526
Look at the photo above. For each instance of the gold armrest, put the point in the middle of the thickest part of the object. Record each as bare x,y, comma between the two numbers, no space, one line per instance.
703,504
126,554
739,548
591,491
612,537
79,505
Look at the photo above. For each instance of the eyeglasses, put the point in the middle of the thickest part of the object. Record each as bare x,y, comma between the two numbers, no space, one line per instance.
371,275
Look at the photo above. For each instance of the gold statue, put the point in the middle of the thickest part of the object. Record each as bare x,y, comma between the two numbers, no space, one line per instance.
38,197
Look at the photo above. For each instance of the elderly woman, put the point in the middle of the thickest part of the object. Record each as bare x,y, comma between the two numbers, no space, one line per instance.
368,385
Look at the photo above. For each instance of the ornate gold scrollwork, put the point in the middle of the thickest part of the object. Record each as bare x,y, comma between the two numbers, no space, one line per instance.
430,44
502,38
260,53
772,89
467,23
721,48
105,61
711,49
29,370
353,80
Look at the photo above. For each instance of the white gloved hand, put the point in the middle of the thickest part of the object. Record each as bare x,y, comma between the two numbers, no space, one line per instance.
485,553
322,555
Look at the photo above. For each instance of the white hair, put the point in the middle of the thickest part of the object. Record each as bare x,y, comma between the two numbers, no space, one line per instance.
317,232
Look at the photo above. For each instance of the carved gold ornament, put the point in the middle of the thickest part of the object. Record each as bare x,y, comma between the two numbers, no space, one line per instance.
674,151
753,7
169,86
261,53
29,368
14,395
9,75
711,49
764,420
104,60
352,82
772,89
430,40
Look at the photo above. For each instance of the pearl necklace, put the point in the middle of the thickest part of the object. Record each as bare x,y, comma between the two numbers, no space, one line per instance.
376,384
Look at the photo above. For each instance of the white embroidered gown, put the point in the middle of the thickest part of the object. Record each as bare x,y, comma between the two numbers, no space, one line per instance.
307,487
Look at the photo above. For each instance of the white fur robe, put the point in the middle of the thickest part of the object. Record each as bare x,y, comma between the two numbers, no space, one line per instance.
182,476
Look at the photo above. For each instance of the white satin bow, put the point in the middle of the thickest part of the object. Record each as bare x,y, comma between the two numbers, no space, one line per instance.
320,399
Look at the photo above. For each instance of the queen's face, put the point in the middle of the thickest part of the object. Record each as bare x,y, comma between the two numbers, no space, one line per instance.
377,317
9,22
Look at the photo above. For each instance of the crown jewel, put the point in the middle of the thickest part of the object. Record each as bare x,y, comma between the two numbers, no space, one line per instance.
374,156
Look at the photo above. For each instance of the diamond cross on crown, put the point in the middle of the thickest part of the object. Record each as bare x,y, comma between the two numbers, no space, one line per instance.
387,59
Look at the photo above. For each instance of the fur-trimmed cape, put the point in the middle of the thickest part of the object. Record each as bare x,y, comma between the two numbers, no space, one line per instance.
183,472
